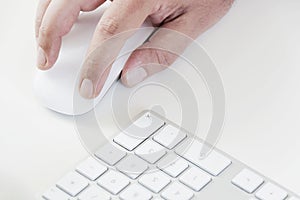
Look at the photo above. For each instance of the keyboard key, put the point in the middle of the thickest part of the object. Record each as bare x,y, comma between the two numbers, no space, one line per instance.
151,151
113,182
214,163
94,193
247,180
110,154
195,179
144,121
132,166
72,183
127,141
177,191
271,192
169,136
135,192
173,165
91,169
145,126
155,181
55,194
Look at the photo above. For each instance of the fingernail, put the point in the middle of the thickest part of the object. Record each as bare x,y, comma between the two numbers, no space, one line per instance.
135,76
86,89
41,58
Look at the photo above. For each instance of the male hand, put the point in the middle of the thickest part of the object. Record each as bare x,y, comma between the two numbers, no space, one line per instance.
55,19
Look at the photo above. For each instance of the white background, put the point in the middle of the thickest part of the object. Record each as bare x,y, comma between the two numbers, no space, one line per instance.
257,51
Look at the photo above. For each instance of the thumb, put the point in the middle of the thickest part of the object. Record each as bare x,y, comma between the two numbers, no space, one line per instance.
155,55
169,41
143,63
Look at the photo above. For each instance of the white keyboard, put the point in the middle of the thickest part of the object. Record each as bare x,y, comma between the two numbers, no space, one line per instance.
155,159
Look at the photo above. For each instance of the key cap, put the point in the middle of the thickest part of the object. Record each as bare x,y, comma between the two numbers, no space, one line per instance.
135,192
271,192
195,179
173,165
94,193
214,163
145,126
72,183
91,169
155,181
169,136
248,180
127,141
150,151
177,191
113,181
132,166
110,154
144,121
55,194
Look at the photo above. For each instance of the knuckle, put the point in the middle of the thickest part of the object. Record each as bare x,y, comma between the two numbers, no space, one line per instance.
45,32
91,69
108,26
45,38
163,57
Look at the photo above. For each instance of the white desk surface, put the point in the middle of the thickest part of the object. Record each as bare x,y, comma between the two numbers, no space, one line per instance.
257,50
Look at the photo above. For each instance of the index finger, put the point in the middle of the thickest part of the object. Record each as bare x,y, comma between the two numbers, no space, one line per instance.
121,16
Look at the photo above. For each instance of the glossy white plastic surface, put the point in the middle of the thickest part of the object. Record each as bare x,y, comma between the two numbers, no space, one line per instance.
57,88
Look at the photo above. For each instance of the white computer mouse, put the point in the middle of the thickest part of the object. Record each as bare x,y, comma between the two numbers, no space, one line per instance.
57,88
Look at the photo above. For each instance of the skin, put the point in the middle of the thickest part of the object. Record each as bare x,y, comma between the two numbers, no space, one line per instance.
55,19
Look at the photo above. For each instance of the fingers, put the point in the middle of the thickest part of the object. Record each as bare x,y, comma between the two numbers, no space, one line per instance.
55,19
159,52
164,47
114,28
41,9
